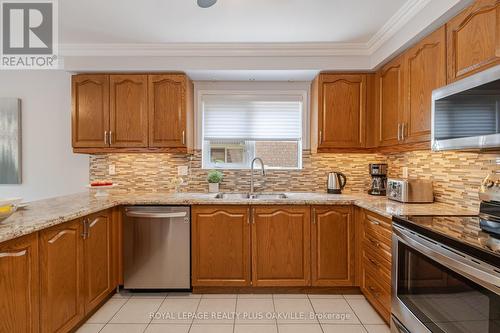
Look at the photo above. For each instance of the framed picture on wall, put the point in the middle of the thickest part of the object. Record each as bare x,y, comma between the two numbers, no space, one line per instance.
10,141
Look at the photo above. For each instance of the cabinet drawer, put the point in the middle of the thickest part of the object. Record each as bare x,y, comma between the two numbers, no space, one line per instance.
377,228
377,264
380,248
378,294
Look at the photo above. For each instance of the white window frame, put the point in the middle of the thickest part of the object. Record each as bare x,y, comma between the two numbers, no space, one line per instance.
263,88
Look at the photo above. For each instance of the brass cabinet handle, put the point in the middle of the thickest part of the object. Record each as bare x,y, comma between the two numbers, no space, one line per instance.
314,216
248,215
403,126
377,244
374,222
399,132
183,137
105,137
252,212
320,137
110,137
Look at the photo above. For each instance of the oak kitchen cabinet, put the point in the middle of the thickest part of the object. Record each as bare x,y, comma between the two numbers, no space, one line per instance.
132,113
425,70
338,111
170,97
473,39
281,246
19,285
53,279
61,277
97,259
333,246
128,111
90,110
390,84
376,259
405,88
220,246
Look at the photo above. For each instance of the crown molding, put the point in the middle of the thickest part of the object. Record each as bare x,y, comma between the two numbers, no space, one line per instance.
320,49
408,11
215,49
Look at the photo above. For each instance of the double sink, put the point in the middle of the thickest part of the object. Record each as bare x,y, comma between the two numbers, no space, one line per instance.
252,196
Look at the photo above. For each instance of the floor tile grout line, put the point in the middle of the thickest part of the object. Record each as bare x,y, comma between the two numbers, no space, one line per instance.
315,314
349,305
235,308
159,307
195,313
274,312
116,312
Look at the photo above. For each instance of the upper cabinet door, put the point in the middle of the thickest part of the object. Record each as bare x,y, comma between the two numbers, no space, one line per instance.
473,38
341,111
19,285
390,102
425,71
90,107
128,111
97,260
167,111
281,248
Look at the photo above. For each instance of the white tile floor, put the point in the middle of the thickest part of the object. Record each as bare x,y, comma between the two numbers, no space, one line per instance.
183,313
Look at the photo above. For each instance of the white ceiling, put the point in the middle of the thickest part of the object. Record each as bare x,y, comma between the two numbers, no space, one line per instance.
182,21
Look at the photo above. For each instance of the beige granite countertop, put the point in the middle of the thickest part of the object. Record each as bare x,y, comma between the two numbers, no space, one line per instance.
42,214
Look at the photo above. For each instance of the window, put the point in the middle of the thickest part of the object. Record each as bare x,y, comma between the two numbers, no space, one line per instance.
237,128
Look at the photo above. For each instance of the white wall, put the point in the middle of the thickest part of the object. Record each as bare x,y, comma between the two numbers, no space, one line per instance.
49,167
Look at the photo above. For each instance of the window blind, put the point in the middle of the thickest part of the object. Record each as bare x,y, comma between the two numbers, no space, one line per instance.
252,118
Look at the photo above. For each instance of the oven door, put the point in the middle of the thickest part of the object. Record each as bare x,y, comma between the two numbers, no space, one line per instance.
437,289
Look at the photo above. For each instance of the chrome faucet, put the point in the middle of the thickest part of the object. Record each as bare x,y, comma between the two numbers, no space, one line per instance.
251,175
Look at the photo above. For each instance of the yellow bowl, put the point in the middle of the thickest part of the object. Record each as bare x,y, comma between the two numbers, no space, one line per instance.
6,211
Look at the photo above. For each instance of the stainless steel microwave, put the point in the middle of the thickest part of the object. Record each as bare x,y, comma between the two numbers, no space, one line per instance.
466,113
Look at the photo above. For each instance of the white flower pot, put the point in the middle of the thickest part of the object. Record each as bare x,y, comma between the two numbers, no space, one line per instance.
213,187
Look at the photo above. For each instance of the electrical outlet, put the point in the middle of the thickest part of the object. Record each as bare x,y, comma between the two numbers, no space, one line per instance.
405,172
182,170
112,169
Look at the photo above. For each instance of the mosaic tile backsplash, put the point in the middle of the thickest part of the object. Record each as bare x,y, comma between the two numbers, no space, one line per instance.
457,176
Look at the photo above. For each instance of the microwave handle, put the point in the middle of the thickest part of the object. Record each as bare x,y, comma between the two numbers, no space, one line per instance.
461,264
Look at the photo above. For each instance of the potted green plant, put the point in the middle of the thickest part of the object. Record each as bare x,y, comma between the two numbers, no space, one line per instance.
214,179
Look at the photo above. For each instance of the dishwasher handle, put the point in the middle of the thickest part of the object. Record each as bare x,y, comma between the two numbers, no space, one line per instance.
154,215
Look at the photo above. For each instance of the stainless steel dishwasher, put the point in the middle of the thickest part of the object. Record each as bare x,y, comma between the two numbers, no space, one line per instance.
156,247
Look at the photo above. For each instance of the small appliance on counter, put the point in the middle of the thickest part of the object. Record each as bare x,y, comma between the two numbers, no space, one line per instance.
378,172
441,263
336,182
410,190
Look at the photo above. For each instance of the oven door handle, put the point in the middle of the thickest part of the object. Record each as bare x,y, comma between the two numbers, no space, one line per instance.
474,270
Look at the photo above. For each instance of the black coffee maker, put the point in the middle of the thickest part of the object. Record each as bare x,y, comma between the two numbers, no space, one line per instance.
379,179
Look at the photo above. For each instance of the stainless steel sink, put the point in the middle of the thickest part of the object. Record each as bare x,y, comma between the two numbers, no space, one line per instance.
255,196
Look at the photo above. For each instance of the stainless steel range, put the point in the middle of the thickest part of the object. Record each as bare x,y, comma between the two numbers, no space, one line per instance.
446,270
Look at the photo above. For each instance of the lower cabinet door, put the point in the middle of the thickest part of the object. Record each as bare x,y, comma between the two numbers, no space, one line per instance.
19,285
281,246
220,246
98,268
333,258
61,273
